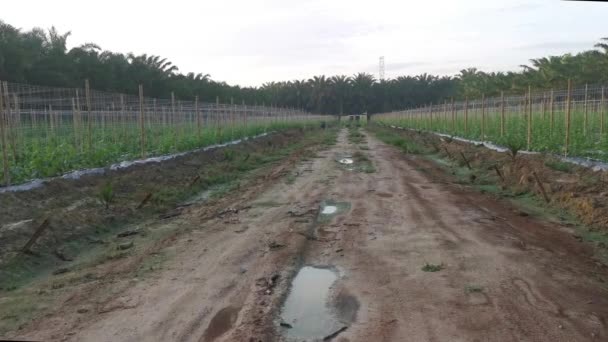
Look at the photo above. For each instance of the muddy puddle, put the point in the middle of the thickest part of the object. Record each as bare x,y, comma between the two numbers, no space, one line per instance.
328,210
307,313
221,323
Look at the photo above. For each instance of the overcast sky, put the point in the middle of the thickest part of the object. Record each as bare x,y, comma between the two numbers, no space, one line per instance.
250,42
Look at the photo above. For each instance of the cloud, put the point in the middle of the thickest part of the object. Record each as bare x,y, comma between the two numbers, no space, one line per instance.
404,65
559,45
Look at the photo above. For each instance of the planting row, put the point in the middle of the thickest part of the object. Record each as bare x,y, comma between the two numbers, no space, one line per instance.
571,122
49,131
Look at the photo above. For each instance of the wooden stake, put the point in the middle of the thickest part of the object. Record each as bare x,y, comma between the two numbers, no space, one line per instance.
544,108
502,178
198,117
502,113
585,121
7,176
552,111
541,187
35,236
142,121
483,117
466,115
172,119
14,128
529,111
602,112
431,117
568,109
89,113
194,180
145,200
453,116
8,113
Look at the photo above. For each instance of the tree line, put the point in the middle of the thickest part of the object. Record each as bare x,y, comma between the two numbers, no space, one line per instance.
41,57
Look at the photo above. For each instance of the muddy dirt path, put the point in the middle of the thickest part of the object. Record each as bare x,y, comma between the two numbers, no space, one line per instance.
499,276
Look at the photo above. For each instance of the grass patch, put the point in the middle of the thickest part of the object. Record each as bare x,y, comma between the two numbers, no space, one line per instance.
559,165
267,204
363,163
392,137
355,136
291,178
473,289
18,310
432,267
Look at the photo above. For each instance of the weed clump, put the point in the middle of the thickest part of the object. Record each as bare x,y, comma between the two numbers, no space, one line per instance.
473,289
432,267
559,165
106,194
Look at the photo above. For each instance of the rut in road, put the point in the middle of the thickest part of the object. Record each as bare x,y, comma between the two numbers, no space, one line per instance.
507,279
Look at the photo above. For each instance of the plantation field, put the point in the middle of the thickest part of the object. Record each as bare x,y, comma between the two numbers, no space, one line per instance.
46,131
537,126
45,153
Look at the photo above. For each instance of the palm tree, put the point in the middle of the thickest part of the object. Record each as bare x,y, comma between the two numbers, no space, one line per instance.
362,91
340,86
319,91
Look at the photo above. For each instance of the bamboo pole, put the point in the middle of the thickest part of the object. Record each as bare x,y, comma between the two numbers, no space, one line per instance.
466,115
142,126
544,108
483,117
568,109
602,112
180,119
235,118
216,122
8,113
198,117
586,117
552,111
14,131
172,119
154,122
123,117
529,114
231,111
5,165
87,91
113,122
453,117
502,113
431,117
74,123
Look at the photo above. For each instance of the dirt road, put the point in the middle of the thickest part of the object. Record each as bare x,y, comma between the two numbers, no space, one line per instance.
499,276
